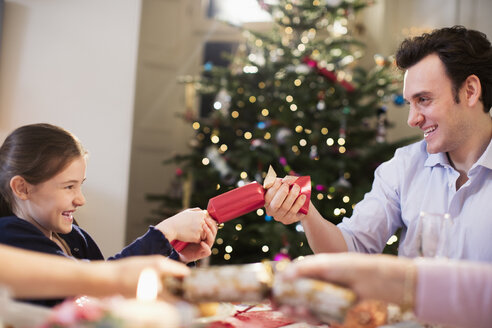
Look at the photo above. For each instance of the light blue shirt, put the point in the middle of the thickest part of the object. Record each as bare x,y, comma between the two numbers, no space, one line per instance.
414,181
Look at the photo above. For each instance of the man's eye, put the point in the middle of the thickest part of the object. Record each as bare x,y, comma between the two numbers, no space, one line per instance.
69,187
423,99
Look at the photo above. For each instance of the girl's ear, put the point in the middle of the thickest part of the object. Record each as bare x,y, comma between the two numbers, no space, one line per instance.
20,187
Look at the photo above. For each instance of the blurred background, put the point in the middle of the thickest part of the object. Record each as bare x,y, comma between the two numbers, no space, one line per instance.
133,78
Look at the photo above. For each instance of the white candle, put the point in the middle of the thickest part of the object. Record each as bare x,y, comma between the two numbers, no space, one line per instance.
146,311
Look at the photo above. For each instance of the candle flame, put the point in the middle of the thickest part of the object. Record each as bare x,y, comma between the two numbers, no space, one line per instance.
148,285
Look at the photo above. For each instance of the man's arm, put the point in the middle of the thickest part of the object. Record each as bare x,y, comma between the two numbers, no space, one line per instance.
322,235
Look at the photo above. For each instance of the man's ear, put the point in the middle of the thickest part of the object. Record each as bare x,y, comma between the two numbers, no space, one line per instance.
20,187
473,90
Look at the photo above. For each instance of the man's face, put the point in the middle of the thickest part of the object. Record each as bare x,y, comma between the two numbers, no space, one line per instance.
433,109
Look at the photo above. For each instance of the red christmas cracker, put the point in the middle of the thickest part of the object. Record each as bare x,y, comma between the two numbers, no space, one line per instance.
242,200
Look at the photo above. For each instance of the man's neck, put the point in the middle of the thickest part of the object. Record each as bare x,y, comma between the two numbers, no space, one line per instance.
464,158
462,162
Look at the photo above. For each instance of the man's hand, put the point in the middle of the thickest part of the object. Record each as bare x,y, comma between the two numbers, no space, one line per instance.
283,202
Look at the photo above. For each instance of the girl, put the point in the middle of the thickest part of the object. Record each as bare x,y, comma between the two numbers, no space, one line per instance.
42,169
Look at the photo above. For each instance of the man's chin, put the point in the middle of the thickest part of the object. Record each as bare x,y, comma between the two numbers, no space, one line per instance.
431,149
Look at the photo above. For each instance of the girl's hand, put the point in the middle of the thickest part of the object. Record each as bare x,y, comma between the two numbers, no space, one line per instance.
196,251
188,226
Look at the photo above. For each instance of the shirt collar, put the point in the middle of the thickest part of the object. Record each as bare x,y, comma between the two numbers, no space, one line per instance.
436,159
486,159
441,158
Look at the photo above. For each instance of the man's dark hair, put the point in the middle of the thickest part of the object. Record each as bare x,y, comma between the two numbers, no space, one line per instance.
463,52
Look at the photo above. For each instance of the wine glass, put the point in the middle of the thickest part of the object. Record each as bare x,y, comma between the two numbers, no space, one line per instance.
435,232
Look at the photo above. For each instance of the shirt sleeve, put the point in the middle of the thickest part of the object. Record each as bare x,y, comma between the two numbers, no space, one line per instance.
376,218
153,242
458,293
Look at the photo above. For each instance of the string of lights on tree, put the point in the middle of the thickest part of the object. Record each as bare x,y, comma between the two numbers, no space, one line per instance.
294,98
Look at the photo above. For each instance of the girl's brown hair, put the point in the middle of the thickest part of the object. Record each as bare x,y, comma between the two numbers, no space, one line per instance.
36,152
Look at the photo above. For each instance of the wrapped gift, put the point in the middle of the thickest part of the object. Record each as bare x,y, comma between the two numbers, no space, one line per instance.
231,283
257,282
325,301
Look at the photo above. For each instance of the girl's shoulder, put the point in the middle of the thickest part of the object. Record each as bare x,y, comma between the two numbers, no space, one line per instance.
13,225
20,233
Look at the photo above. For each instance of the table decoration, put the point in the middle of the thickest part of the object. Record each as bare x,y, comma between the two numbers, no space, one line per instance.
230,283
256,283
144,311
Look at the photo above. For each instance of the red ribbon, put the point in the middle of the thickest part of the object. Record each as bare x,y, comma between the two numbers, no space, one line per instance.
328,74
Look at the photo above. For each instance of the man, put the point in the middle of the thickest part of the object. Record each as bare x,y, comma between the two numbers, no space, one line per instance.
448,86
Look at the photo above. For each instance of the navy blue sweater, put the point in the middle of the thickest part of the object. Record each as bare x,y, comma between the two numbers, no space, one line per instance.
20,233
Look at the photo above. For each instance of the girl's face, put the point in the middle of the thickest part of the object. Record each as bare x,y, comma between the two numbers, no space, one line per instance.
51,204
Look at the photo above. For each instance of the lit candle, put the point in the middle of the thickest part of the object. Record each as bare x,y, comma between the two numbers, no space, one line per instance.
148,286
146,311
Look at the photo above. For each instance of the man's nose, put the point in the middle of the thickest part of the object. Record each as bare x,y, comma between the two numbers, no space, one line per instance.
414,117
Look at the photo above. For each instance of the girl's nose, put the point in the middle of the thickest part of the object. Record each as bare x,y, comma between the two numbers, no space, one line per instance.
79,200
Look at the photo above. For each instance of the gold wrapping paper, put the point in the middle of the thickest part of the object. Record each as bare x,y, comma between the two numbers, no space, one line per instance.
257,282
230,283
325,301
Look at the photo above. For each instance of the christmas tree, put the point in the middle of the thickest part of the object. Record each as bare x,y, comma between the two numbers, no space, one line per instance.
296,99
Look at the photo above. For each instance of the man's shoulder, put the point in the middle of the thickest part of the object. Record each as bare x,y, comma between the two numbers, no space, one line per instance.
411,154
406,159
416,148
